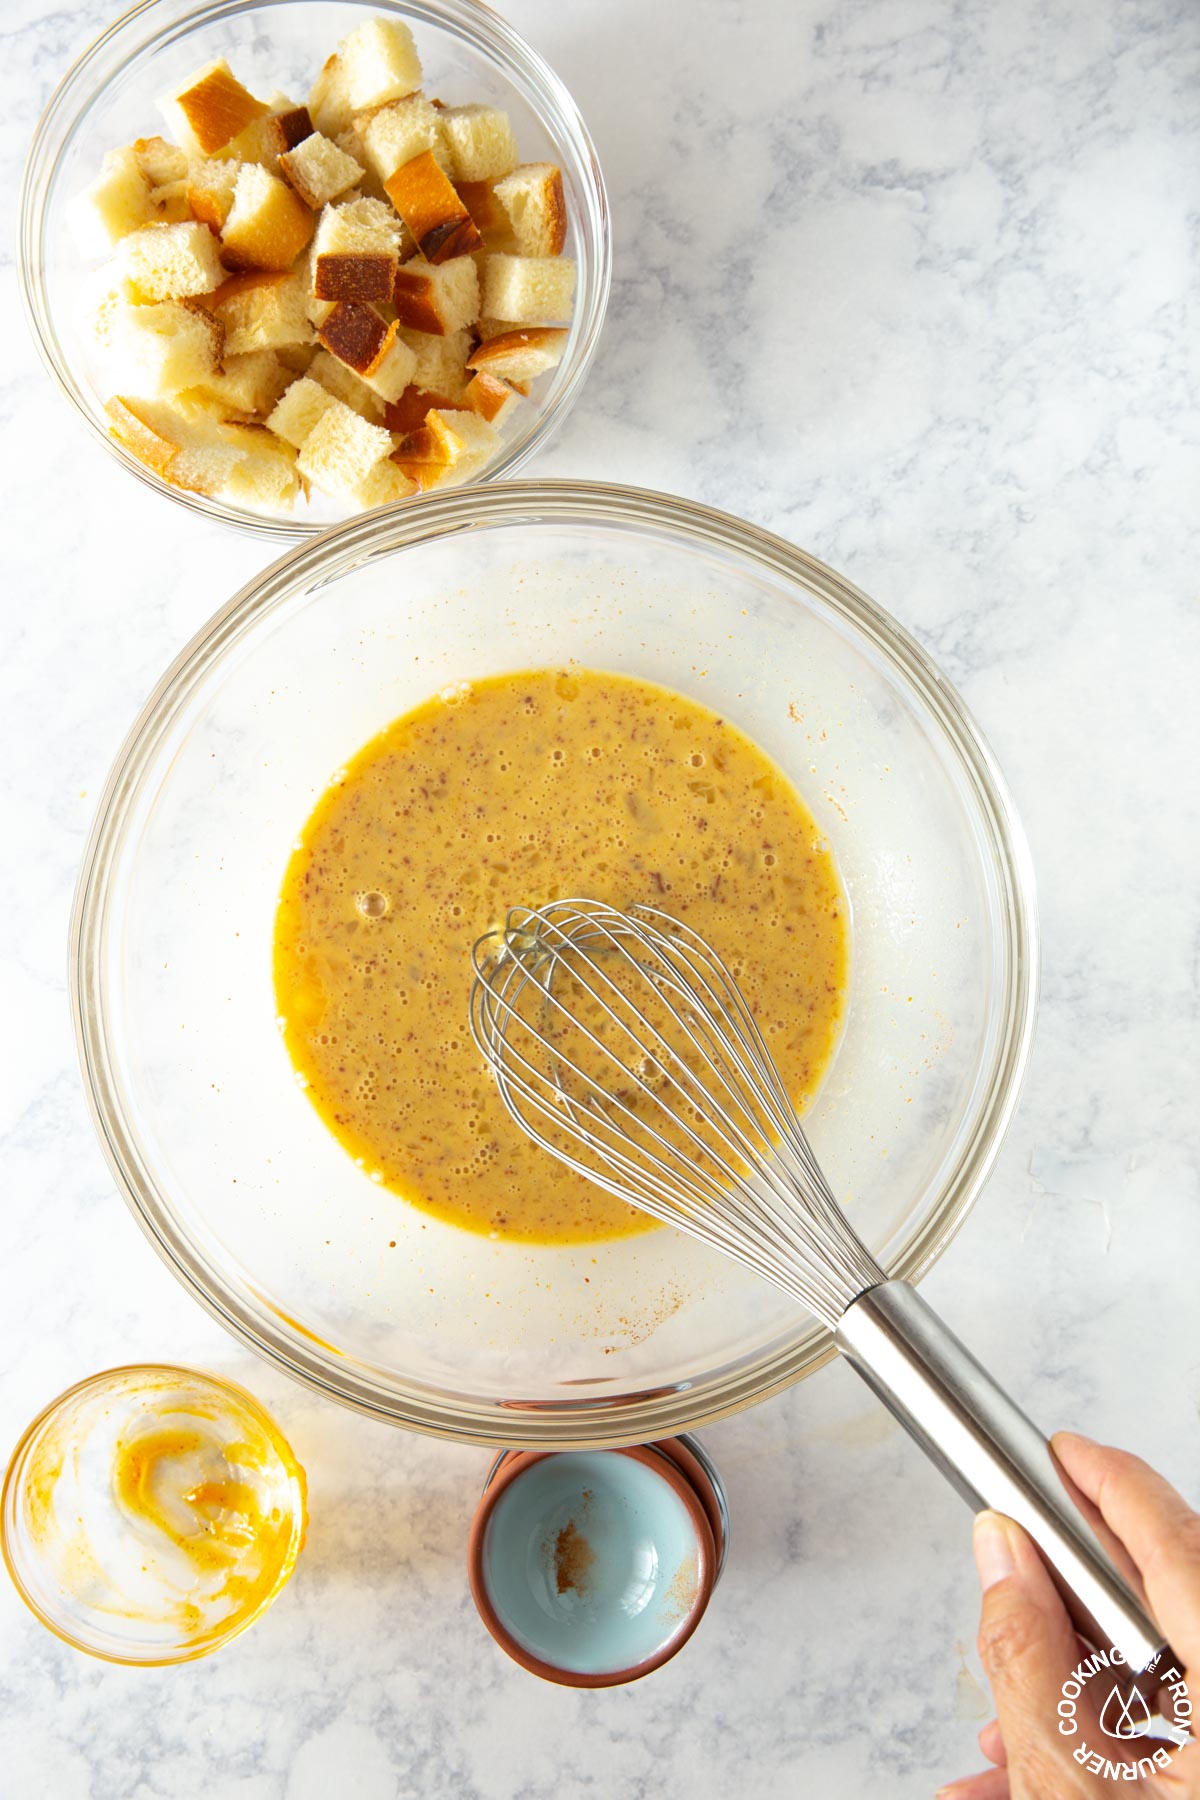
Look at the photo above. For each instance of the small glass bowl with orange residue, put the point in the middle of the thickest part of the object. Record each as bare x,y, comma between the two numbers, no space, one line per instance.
151,1513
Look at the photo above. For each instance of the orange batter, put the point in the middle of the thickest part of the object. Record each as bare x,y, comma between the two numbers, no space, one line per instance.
521,789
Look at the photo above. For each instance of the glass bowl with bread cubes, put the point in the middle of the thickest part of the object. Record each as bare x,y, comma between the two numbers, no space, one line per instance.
294,260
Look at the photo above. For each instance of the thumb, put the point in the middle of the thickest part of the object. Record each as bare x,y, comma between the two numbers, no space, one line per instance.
1027,1645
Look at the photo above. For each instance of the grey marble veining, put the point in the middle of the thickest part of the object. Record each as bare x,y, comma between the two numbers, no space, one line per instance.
906,281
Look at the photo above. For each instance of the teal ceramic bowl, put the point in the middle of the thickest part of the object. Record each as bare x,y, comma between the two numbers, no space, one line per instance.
591,1568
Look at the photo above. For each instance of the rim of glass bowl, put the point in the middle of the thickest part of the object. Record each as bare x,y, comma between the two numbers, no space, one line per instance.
169,20
567,1424
10,1498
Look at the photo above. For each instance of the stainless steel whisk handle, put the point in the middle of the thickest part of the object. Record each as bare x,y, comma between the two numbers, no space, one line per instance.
996,1457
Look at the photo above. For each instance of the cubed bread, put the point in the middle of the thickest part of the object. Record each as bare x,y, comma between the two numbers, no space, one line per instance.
149,445
265,477
408,412
529,290
356,251
480,142
172,262
268,225
297,357
398,132
349,141
265,140
210,108
328,101
297,410
210,182
347,387
451,446
119,198
493,399
384,484
521,355
394,372
468,438
341,450
437,297
433,212
441,362
318,170
248,385
489,217
380,63
532,198
187,447
170,202
357,336
165,346
159,161
263,312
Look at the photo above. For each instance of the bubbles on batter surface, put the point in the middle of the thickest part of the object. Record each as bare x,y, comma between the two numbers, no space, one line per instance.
371,903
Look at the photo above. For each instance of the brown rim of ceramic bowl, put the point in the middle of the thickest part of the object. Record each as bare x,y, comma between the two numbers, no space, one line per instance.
678,1451
706,1559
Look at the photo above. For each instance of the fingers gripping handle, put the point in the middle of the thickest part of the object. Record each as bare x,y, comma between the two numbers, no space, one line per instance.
996,1458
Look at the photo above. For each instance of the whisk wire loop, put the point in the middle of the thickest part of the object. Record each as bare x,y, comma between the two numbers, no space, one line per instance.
621,1043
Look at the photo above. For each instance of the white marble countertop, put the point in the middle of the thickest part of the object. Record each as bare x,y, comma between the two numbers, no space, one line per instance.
904,280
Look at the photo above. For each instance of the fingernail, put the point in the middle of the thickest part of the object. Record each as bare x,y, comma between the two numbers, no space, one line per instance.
993,1552
1080,1437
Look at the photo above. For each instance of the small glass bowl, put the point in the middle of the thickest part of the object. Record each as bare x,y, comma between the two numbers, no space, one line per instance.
105,1549
109,98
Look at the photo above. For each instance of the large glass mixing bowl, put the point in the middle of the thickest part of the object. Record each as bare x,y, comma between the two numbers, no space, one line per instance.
264,1216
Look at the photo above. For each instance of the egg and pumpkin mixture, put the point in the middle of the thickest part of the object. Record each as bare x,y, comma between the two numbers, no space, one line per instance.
521,789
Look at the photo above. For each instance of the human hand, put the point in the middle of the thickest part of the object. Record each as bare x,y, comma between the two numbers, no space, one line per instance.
1029,1648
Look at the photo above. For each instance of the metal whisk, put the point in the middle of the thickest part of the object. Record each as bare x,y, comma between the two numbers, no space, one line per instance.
621,1043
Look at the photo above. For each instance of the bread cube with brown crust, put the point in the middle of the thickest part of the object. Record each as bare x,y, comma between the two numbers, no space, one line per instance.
318,170
533,201
480,142
267,226
489,216
438,298
394,372
529,290
328,102
263,312
172,262
211,108
433,212
185,445
209,183
357,336
356,251
521,355
493,399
